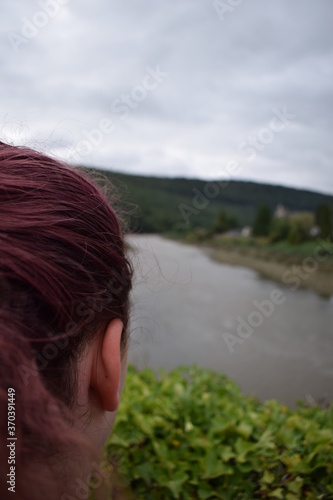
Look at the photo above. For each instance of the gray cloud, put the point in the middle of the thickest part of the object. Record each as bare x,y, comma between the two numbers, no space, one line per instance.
225,78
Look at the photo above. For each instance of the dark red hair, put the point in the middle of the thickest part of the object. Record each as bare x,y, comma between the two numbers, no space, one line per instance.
64,275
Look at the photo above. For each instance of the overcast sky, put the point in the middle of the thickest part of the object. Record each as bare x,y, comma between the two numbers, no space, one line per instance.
191,88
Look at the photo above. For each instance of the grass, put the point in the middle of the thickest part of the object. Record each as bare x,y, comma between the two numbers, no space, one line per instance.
261,248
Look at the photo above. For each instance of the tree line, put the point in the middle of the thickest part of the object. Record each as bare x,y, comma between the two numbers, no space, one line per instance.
294,228
152,204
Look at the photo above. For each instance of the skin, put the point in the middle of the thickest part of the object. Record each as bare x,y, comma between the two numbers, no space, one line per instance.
101,378
101,373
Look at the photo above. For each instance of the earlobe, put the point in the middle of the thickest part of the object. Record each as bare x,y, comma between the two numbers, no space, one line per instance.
105,376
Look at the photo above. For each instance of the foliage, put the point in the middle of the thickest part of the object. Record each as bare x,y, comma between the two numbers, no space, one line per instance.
297,234
263,221
224,222
152,203
281,251
198,235
295,228
324,219
300,226
280,230
192,434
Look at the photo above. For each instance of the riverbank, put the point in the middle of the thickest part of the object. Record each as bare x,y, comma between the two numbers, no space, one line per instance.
307,266
299,274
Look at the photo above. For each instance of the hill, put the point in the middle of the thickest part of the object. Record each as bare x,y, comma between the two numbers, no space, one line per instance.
158,204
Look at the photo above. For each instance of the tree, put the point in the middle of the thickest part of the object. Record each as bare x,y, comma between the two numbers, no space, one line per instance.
300,227
224,222
263,221
279,230
324,219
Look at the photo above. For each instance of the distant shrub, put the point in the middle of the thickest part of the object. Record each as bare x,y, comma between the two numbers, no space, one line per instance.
300,227
280,230
192,434
224,222
263,221
324,219
198,235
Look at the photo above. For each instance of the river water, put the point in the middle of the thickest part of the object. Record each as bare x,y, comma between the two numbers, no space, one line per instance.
187,309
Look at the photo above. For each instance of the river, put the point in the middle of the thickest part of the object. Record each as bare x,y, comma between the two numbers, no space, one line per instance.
187,309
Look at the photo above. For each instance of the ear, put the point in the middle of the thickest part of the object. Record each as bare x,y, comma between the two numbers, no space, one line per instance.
105,376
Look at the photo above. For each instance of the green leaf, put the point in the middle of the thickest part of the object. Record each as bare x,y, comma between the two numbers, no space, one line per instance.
243,448
146,472
161,450
175,485
278,493
227,453
214,467
245,429
205,491
295,486
267,478
292,496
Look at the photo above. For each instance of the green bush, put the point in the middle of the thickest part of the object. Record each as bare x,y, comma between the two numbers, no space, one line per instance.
263,221
300,226
280,230
192,434
324,219
224,222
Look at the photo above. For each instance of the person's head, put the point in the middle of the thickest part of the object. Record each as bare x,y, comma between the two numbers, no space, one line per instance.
64,309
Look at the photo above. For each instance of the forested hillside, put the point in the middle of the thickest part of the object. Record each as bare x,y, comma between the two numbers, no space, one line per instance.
157,204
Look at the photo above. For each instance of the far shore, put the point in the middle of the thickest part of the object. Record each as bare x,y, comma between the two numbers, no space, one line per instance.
294,275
